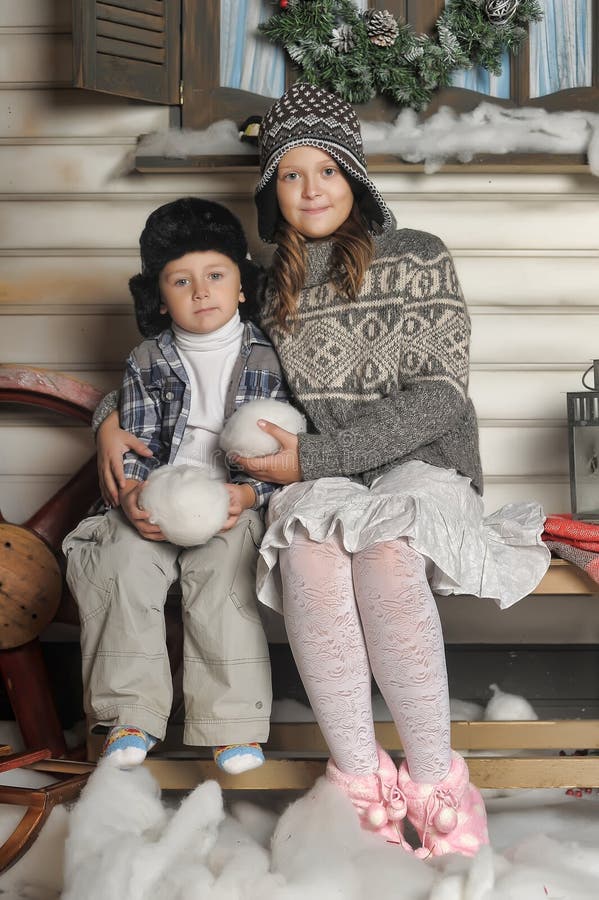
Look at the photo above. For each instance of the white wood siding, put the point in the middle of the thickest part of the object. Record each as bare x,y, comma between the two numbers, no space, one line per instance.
526,249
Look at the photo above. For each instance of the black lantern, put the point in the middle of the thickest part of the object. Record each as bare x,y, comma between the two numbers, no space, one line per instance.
583,441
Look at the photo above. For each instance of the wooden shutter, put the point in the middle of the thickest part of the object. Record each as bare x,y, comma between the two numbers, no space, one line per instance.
128,47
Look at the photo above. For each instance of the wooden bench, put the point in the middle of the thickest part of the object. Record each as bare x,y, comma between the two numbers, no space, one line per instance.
296,751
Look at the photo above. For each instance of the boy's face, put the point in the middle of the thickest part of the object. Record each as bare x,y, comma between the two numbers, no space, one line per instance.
200,290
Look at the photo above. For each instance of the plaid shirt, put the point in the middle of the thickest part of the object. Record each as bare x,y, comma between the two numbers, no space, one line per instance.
156,398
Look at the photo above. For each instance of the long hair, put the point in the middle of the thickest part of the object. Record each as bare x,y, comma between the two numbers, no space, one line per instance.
353,250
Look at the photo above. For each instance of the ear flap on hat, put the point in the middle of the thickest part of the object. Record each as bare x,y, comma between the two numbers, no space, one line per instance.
147,303
253,283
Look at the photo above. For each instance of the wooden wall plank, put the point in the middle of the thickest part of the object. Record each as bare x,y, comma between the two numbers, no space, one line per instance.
395,186
520,394
36,58
542,281
534,338
26,448
30,446
524,451
86,339
105,222
552,495
35,113
511,396
83,280
21,496
505,223
40,13
111,221
531,280
497,338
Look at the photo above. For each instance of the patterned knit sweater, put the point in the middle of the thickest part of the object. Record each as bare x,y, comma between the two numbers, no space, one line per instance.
382,379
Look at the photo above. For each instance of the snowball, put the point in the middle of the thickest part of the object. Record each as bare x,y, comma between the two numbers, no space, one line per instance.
187,504
242,435
508,707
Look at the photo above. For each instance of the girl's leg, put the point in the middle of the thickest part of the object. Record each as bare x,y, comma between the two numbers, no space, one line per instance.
323,625
327,642
406,651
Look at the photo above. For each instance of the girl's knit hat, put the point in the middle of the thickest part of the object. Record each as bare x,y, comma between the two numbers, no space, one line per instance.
307,115
185,226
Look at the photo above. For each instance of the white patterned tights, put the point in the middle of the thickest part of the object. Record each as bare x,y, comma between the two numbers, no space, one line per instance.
350,615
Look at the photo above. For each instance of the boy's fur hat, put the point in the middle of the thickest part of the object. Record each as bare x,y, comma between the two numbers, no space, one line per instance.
184,226
307,115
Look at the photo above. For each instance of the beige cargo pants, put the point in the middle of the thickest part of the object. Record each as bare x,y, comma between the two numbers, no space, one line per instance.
120,582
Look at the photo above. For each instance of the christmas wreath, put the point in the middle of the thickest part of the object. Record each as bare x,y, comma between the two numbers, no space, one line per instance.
360,54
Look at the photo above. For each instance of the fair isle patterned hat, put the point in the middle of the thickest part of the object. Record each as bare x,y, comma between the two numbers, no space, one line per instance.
307,115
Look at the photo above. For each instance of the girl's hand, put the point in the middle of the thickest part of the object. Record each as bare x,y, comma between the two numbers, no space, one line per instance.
280,468
112,443
139,518
241,496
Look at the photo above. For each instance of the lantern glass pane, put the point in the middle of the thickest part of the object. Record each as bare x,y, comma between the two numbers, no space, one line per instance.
586,469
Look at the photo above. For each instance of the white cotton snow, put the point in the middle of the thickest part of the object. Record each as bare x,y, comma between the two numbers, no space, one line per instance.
187,504
125,842
221,138
242,435
507,707
446,135
486,129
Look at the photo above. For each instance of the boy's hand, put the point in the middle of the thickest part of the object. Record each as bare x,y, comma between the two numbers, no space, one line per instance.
139,518
112,443
241,496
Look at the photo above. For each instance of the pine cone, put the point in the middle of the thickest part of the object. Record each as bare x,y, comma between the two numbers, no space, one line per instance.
381,27
343,39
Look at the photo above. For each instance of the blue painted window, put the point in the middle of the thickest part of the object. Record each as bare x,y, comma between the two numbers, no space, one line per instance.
561,47
248,61
479,79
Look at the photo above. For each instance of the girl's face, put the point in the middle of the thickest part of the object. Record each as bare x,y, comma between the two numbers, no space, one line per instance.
313,193
200,290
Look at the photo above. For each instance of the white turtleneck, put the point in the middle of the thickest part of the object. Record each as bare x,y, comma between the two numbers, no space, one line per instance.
208,360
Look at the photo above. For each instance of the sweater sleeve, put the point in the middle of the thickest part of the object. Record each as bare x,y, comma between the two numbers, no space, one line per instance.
271,385
108,404
430,396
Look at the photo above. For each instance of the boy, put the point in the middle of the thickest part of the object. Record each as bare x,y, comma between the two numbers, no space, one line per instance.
199,362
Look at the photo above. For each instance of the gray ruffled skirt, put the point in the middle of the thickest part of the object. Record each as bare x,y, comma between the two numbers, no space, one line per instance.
499,556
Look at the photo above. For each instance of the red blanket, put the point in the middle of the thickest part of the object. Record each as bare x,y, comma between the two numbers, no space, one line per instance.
578,542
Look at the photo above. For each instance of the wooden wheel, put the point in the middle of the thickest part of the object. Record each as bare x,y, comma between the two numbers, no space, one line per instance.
31,584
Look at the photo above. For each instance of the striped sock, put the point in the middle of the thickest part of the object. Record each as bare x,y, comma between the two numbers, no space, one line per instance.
237,758
126,746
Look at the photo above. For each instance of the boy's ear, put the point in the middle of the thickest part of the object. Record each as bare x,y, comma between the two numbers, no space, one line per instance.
241,296
163,309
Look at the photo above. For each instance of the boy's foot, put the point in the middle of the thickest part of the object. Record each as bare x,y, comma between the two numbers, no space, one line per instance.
237,758
126,746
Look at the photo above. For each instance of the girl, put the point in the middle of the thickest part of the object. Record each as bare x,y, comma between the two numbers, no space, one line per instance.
383,501
383,497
